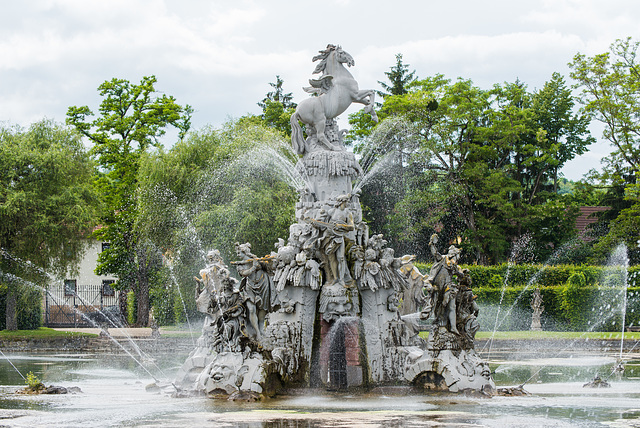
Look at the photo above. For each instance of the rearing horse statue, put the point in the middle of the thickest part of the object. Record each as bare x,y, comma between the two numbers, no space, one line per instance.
337,89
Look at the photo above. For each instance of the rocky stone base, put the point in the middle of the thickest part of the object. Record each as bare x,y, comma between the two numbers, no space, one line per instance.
448,370
235,376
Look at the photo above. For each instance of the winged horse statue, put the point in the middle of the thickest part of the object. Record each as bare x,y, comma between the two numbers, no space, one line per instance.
336,89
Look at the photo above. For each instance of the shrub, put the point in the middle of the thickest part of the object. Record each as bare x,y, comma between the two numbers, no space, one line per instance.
574,297
28,308
34,384
132,305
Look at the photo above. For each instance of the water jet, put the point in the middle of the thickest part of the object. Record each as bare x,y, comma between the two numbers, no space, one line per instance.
322,310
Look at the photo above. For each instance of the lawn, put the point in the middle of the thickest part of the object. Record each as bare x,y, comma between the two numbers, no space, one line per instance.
552,335
40,333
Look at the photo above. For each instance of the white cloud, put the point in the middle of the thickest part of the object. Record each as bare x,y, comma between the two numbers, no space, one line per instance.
219,56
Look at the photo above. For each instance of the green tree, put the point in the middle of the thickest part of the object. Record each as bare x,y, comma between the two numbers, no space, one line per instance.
131,120
278,95
399,79
216,187
47,206
277,107
566,133
468,163
610,91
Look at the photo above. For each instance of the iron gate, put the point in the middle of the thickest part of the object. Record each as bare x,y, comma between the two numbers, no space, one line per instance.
72,305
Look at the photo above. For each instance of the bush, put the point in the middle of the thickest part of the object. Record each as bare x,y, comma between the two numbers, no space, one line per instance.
582,298
28,308
162,298
34,384
132,313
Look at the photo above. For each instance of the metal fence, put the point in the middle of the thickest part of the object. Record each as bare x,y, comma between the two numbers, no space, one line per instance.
73,305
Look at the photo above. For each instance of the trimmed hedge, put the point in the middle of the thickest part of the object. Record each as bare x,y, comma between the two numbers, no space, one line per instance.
566,308
522,275
575,298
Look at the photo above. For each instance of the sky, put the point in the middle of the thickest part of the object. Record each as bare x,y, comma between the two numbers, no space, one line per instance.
220,55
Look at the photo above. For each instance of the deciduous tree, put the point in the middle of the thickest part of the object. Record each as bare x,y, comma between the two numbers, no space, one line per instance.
610,91
217,187
47,205
131,119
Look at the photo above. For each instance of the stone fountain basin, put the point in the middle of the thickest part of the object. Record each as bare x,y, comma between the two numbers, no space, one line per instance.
114,395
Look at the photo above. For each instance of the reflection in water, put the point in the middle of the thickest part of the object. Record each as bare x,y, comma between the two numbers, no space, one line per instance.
114,395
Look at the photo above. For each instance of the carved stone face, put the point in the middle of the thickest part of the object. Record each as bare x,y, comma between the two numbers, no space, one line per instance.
338,308
243,249
336,302
370,255
453,254
228,284
341,201
301,258
224,373
485,371
214,256
393,302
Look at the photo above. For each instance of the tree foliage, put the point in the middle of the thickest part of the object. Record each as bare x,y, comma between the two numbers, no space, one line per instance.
610,91
131,119
215,188
475,165
399,79
277,107
47,205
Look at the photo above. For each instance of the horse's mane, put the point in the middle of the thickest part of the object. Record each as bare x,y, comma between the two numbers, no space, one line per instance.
324,54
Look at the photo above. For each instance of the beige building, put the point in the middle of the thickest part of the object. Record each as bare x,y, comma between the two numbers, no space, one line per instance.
79,299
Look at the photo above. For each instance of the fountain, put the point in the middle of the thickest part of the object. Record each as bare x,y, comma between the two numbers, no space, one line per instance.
322,310
331,311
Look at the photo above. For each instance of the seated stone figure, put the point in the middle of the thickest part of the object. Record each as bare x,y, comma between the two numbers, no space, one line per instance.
333,240
231,326
466,308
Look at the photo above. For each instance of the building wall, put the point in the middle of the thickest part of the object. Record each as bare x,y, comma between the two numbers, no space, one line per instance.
86,274
76,300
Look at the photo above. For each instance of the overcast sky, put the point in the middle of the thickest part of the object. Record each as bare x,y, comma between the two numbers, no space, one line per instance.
219,56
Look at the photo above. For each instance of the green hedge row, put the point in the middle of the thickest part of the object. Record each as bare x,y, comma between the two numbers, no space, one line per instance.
28,308
579,298
566,308
543,275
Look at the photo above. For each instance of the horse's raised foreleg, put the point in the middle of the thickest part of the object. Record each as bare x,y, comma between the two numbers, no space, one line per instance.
368,98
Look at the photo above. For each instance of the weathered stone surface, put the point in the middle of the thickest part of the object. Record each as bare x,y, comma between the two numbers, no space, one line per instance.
332,305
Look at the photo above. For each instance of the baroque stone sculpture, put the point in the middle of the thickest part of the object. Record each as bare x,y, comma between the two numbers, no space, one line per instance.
332,306
538,308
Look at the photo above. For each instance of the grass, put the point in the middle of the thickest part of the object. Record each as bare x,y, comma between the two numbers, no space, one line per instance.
49,333
552,335
170,331
41,333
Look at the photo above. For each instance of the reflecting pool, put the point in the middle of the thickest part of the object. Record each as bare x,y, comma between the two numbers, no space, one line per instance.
114,394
